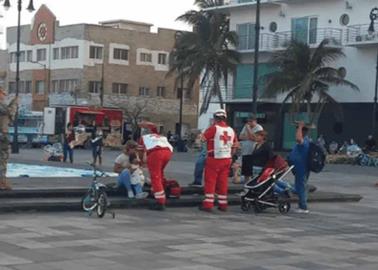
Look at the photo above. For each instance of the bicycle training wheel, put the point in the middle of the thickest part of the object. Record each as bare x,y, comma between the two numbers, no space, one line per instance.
102,203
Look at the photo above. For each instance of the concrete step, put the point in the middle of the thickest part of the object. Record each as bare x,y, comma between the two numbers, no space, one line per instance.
75,192
73,203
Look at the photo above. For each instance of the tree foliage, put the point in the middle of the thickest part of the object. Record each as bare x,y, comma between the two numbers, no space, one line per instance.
305,77
207,52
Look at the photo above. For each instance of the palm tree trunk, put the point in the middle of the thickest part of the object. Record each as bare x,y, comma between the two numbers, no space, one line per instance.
217,88
309,115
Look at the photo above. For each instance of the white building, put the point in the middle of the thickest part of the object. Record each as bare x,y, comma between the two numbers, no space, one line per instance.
310,21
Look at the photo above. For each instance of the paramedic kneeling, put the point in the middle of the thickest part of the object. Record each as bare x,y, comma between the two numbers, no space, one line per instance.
221,141
158,153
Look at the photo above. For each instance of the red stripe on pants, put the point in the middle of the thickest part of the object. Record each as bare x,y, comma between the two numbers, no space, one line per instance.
156,162
216,180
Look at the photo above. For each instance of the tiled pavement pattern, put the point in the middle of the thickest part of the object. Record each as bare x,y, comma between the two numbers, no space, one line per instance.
333,236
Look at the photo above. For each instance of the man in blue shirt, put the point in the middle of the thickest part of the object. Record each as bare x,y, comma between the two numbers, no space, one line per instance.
299,158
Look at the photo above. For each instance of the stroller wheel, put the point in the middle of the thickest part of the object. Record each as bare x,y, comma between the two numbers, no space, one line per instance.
284,207
245,205
258,207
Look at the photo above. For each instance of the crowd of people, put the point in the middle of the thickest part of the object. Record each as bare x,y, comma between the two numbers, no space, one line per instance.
220,145
256,152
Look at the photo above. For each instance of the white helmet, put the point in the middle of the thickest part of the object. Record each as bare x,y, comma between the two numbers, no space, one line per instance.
220,113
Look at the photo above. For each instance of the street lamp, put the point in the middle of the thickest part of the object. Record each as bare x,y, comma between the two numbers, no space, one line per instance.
256,57
15,148
373,17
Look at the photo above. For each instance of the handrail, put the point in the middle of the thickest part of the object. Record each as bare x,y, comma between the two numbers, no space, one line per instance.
279,40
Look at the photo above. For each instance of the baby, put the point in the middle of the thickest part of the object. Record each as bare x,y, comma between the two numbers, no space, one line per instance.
136,177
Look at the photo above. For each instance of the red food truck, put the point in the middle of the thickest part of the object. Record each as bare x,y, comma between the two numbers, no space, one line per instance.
109,119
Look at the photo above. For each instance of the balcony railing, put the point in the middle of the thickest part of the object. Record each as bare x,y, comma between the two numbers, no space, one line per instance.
280,40
358,34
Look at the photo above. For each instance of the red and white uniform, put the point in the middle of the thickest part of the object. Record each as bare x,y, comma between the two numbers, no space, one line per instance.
220,141
159,152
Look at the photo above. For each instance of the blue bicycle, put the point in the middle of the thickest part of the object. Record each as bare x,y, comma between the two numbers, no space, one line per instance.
96,199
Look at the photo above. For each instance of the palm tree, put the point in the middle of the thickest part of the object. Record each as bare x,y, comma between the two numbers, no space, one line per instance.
305,77
207,52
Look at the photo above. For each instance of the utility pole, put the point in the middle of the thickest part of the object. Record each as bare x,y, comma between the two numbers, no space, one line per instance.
256,59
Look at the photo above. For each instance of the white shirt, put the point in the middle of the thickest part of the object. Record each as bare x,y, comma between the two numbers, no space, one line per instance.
247,146
154,140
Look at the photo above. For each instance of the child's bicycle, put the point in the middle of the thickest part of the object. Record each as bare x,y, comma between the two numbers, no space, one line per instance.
95,199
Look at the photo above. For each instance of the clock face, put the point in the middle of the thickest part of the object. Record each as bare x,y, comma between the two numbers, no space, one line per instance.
42,31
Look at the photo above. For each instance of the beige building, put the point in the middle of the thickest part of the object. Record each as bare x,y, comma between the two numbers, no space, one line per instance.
116,63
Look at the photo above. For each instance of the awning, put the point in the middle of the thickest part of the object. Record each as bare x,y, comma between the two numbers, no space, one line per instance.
90,112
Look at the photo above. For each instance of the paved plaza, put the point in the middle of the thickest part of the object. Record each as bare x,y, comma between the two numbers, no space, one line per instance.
333,236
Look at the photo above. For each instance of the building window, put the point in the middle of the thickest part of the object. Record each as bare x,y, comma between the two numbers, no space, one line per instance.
304,29
69,52
22,56
61,86
29,56
187,93
144,91
12,87
41,55
25,87
39,87
56,53
146,57
95,52
121,54
162,59
119,88
12,57
344,19
246,33
94,87
160,91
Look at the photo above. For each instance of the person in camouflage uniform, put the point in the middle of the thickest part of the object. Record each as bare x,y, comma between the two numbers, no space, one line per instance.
7,114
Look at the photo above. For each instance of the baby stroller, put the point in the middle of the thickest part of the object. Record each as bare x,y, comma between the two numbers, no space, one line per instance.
260,191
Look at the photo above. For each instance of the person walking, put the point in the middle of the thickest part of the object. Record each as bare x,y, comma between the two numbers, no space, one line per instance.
7,114
97,143
158,152
221,141
68,144
248,142
299,158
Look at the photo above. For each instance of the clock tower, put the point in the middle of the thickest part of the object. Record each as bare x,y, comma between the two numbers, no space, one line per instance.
43,28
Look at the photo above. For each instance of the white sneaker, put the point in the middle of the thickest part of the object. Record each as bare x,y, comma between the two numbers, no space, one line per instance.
141,195
130,194
302,211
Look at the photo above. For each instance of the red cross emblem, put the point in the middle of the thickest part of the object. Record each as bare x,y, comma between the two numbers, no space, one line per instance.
225,138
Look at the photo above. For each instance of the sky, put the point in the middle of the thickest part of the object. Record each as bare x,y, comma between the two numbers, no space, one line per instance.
160,13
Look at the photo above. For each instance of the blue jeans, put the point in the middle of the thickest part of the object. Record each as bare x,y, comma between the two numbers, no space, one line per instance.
281,186
198,169
301,178
67,150
124,181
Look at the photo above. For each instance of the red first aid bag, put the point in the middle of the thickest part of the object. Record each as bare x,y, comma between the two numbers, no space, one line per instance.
172,189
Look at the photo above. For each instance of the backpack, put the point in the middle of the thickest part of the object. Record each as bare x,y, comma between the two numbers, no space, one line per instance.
316,158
